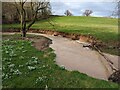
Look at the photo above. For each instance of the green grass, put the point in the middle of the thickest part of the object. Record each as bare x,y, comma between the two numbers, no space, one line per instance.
16,74
105,29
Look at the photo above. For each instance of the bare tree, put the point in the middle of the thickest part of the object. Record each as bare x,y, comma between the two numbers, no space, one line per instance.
68,13
9,13
116,11
34,7
87,12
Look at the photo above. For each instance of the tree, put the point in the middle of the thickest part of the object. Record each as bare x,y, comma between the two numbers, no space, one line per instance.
9,13
45,13
34,8
116,12
68,13
87,12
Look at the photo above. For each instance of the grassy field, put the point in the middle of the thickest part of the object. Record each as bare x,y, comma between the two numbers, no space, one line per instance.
104,29
26,67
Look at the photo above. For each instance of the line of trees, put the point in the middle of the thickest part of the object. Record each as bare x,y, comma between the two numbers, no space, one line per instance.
85,13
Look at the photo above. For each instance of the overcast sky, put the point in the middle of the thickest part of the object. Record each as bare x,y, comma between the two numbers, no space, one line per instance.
77,8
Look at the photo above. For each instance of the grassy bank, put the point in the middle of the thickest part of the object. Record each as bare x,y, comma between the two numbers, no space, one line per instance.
104,29
25,66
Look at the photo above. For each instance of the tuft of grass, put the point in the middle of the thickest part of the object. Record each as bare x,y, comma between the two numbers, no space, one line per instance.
26,67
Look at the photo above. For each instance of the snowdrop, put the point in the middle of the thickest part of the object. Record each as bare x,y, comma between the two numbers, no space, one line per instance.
62,67
6,76
12,53
43,66
24,51
46,87
6,52
31,62
31,68
20,65
10,59
39,79
35,62
11,65
17,72
32,45
35,58
8,63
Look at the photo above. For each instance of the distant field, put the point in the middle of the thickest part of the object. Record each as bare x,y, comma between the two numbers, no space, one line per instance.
105,29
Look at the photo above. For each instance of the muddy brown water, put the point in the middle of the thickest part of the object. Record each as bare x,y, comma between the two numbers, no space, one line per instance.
72,55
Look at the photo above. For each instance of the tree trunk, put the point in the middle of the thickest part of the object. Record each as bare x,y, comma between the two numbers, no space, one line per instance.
24,26
24,33
23,20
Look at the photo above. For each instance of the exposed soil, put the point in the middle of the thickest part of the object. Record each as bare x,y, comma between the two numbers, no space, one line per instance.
73,56
40,42
85,38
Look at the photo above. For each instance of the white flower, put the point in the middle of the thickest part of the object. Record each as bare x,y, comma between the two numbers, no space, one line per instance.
21,65
8,63
31,44
40,79
17,72
31,68
62,66
31,62
6,52
43,66
35,62
24,51
46,87
6,76
11,65
35,58
10,59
